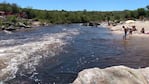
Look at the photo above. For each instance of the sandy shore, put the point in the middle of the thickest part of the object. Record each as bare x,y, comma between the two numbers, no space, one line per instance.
139,25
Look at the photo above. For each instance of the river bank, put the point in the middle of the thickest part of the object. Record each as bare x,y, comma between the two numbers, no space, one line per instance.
138,24
136,50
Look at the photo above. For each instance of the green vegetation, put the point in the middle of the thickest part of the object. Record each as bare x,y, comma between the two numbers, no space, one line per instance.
61,17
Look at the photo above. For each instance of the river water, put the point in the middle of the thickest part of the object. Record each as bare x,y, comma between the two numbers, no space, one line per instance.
55,54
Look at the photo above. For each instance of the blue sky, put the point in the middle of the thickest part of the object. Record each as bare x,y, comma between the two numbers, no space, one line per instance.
71,5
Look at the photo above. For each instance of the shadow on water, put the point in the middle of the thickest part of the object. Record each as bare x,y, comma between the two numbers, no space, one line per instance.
93,47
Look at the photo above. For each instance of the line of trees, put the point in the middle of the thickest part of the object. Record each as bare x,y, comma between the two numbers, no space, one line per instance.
60,17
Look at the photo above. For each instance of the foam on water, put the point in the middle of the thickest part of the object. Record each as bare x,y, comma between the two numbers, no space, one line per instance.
29,54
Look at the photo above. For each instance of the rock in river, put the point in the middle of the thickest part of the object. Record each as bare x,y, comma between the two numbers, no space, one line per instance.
113,75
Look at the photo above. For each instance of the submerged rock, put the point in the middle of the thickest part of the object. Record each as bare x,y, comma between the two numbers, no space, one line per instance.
113,75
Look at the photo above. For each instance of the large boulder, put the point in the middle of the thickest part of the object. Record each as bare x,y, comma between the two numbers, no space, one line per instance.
113,75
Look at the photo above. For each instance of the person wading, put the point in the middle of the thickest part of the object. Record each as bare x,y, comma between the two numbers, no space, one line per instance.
125,32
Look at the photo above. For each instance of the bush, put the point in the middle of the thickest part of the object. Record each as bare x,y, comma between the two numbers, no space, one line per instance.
12,18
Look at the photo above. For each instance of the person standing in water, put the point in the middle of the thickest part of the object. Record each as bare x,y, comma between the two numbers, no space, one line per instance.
125,32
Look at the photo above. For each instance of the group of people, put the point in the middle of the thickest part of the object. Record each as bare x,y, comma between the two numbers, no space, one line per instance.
131,30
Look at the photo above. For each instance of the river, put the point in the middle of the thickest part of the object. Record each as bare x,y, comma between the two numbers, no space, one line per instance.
55,54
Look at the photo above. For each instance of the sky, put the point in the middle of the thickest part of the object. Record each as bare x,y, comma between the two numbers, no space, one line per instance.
75,5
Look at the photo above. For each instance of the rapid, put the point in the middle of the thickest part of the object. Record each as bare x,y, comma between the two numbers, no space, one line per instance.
55,54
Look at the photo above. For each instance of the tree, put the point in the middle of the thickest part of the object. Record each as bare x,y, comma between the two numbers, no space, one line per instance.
15,8
147,12
147,7
141,13
30,12
5,7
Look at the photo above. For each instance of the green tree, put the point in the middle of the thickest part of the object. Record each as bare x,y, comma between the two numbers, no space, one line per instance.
141,13
15,8
30,12
147,7
147,12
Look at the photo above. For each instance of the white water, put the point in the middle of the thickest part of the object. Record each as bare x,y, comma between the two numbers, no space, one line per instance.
28,54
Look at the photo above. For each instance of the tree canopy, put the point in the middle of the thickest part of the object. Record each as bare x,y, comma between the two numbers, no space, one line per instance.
60,17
